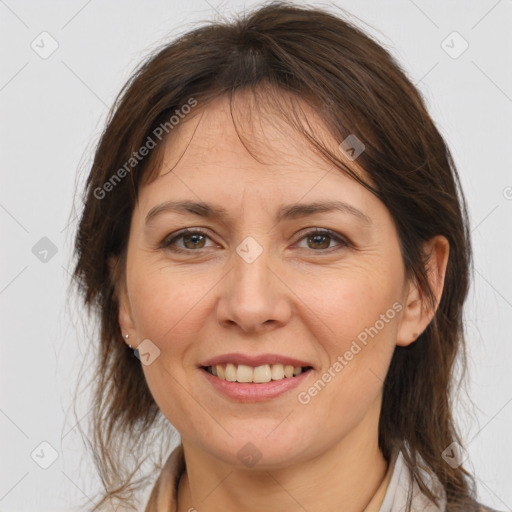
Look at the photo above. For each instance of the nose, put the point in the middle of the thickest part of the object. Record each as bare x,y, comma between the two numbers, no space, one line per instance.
254,296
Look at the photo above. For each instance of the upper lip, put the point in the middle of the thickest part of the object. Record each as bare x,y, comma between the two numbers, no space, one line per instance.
255,360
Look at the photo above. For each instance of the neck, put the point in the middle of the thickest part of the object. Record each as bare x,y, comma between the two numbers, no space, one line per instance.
349,473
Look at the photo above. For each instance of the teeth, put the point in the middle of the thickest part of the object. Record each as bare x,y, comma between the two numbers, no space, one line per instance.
230,372
277,372
244,373
259,374
262,373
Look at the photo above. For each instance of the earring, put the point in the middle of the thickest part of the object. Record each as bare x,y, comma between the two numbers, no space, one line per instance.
126,337
414,335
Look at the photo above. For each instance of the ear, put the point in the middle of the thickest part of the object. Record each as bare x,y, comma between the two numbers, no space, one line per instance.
125,318
417,313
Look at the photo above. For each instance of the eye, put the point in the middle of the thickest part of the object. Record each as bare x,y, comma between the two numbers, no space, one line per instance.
195,239
321,239
191,239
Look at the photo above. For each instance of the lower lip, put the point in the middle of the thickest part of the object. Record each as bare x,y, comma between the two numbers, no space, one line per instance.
252,392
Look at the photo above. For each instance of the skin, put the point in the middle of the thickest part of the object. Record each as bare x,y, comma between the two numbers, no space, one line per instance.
302,298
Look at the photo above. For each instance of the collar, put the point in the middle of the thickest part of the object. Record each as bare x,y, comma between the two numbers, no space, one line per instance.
164,493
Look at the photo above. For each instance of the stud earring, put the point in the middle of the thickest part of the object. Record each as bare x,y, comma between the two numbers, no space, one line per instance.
126,337
414,335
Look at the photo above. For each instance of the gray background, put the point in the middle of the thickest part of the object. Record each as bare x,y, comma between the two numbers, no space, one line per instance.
52,112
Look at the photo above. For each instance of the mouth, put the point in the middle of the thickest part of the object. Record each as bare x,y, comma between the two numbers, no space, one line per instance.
244,377
262,374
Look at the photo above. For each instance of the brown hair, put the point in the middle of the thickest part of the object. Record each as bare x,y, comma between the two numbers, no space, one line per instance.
357,88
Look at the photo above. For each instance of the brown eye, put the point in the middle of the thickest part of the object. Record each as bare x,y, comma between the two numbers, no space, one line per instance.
320,240
190,240
194,240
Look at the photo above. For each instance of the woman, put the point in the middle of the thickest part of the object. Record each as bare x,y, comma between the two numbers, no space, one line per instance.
277,246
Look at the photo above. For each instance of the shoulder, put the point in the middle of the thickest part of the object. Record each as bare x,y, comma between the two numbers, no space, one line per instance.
483,508
405,480
473,506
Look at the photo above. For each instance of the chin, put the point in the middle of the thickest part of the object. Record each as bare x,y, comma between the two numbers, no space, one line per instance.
259,448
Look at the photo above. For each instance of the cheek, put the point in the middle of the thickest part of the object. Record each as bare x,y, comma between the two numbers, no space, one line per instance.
359,317
167,303
168,308
349,301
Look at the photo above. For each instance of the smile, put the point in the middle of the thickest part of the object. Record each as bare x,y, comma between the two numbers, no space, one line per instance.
261,374
256,383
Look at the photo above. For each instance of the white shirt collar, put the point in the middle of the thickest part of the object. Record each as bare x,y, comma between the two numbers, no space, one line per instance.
395,499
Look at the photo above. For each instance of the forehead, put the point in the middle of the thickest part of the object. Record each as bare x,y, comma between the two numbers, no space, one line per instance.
223,151
251,133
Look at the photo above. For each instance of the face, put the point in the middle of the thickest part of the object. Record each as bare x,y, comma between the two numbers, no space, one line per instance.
257,285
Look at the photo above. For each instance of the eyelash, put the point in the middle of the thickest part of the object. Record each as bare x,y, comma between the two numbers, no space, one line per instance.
167,242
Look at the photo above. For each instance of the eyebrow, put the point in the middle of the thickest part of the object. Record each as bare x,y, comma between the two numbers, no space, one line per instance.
286,212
